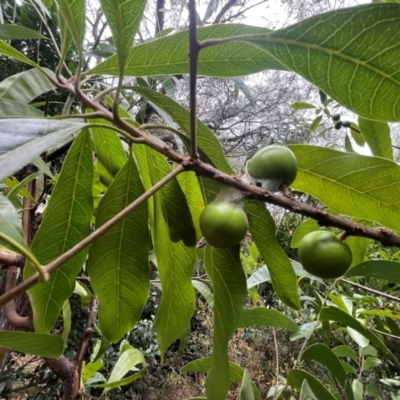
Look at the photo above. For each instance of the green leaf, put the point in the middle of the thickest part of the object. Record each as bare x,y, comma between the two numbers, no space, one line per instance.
38,344
354,55
335,314
204,290
315,124
26,86
90,369
357,389
10,32
300,105
306,393
377,136
324,355
262,228
345,351
123,17
381,313
66,221
356,135
73,12
66,313
358,247
380,269
24,139
350,184
169,55
372,390
84,293
109,150
296,377
246,388
9,51
228,279
118,261
123,381
394,328
9,108
260,316
309,225
235,371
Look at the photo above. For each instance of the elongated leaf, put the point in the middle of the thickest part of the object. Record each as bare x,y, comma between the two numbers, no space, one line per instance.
350,184
66,221
38,344
262,228
168,55
109,151
66,313
299,105
9,108
296,377
118,261
10,32
377,136
225,270
123,17
10,224
90,369
26,86
9,51
246,389
73,12
335,314
23,139
382,313
380,269
260,316
123,381
235,371
175,261
307,226
205,291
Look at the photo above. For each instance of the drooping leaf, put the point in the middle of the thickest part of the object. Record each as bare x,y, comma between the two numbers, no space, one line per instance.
315,124
297,376
38,344
350,184
260,316
235,371
357,389
168,55
246,389
205,291
9,108
9,51
380,269
11,32
109,150
73,12
377,136
240,85
66,313
66,221
118,261
262,228
225,271
335,314
123,17
23,139
90,369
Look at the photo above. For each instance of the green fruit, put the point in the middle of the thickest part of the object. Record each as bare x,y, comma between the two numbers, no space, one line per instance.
223,224
275,164
324,255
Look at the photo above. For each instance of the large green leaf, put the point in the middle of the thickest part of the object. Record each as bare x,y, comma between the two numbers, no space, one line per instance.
297,376
109,150
228,279
262,228
350,184
38,344
246,389
73,12
123,17
66,221
9,108
358,246
10,32
23,139
377,136
260,316
9,51
119,261
169,55
26,86
235,371
380,269
335,314
175,260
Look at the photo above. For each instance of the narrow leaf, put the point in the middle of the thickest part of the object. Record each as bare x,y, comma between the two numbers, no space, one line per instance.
9,108
380,269
262,228
66,221
246,389
11,32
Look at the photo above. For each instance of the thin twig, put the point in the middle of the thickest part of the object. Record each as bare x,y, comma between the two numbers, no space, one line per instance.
58,262
367,289
276,363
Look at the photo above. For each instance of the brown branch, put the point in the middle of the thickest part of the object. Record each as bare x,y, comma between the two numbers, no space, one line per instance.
10,311
367,289
225,9
11,259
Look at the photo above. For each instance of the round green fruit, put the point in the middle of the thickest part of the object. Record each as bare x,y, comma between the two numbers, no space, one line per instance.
324,255
275,164
223,224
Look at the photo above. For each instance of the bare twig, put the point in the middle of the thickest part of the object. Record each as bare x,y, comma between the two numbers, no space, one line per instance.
11,259
276,363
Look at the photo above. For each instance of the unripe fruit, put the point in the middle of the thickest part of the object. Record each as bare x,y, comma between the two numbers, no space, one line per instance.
324,255
223,224
275,164
336,117
346,124
338,124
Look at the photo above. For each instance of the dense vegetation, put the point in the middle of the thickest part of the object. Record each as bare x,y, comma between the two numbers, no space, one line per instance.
110,182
